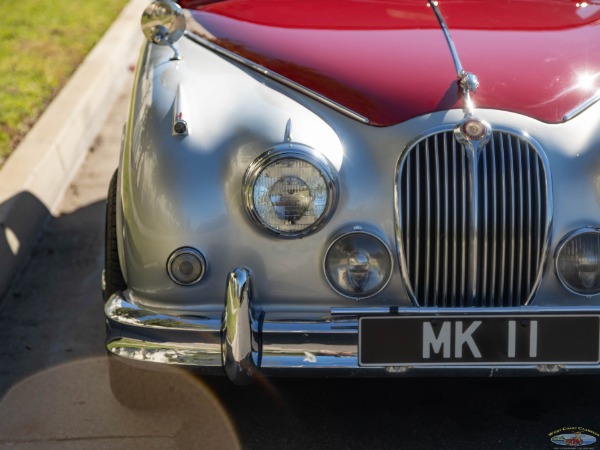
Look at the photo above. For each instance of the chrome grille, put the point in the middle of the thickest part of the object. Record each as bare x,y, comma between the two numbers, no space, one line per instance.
473,230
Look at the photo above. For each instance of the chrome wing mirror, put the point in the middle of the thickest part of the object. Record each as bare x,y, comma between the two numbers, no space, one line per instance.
163,23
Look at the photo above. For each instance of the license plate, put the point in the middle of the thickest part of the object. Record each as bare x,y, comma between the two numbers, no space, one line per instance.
475,340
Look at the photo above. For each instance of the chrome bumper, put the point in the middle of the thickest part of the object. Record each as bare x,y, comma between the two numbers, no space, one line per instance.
245,346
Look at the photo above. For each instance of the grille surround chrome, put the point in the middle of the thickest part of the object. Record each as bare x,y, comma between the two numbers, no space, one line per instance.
457,269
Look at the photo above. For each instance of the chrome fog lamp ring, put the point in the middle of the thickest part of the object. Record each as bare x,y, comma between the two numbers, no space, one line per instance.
577,262
358,265
186,266
290,190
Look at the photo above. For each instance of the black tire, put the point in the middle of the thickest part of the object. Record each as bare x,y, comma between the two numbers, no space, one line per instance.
113,277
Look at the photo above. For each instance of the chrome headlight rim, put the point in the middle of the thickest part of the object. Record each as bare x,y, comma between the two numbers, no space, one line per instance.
291,151
560,247
183,251
390,257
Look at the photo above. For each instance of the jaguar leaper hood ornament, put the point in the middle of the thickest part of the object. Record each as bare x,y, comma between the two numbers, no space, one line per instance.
471,131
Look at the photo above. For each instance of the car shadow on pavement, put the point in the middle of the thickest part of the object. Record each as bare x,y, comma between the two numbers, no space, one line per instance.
71,406
21,216
52,311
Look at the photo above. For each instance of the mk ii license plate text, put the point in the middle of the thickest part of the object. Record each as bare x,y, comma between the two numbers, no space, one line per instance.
398,340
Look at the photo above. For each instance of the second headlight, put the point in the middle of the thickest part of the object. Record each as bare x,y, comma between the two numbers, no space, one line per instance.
290,192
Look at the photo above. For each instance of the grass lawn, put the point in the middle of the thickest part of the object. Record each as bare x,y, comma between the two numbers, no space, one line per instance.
41,44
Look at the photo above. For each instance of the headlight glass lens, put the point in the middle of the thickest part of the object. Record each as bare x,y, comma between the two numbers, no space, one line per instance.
290,195
578,262
358,265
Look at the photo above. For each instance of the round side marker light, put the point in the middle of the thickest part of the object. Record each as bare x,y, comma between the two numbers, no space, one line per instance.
186,266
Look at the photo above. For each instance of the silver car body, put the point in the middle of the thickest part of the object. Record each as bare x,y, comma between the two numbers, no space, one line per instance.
264,304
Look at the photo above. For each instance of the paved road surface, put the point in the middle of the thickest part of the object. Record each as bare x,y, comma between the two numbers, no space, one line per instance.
53,375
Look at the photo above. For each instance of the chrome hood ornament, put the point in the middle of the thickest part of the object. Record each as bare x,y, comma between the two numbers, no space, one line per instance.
472,132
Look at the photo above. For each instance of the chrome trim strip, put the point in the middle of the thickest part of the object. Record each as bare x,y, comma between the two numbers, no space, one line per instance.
181,118
239,338
120,310
196,354
452,47
580,108
473,311
362,311
274,76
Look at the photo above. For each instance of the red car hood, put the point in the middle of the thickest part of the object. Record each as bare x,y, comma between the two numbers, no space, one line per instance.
389,60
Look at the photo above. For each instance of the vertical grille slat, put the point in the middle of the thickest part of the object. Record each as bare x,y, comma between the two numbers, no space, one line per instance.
427,268
464,227
436,216
494,268
539,210
418,221
528,264
437,237
519,268
503,224
445,267
483,274
511,229
407,211
454,294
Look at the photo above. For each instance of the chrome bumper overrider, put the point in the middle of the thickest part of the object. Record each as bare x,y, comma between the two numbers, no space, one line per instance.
244,345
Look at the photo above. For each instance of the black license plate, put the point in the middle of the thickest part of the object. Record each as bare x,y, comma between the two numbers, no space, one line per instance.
475,340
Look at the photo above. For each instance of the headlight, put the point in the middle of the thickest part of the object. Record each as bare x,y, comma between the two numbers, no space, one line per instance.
358,265
290,192
578,262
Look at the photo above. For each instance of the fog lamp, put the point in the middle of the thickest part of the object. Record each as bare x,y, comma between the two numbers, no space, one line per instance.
186,266
578,262
358,265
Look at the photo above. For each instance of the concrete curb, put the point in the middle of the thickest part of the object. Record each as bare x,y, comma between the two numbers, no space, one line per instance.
35,177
